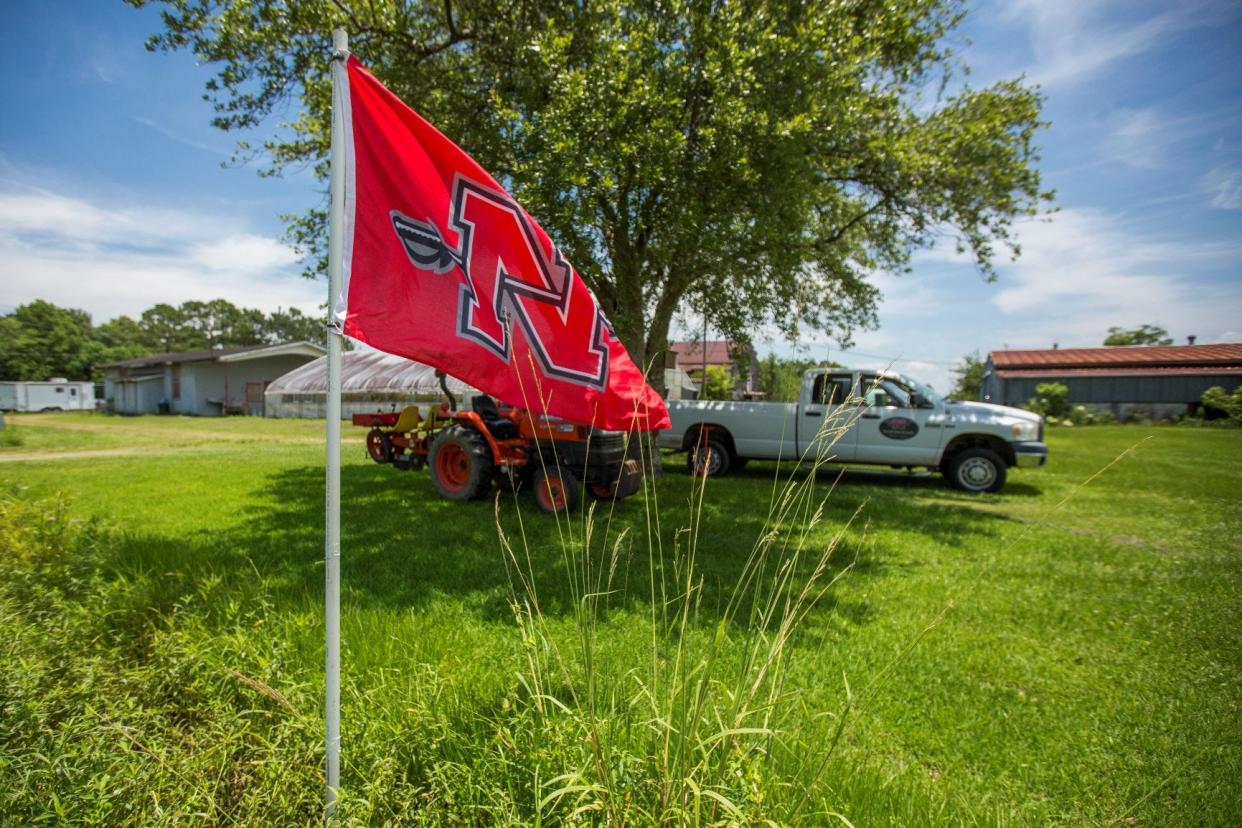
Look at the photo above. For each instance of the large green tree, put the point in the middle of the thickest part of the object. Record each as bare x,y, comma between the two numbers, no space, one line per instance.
780,378
968,384
39,341
762,157
1142,335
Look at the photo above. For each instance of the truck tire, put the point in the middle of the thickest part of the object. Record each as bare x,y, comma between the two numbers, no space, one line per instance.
976,470
556,489
709,458
461,463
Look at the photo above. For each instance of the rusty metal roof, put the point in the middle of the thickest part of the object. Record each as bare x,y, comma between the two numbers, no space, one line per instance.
216,354
1153,371
1143,358
690,354
367,371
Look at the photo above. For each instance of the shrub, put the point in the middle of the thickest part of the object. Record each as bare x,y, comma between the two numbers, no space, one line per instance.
1050,400
1217,399
718,384
1080,415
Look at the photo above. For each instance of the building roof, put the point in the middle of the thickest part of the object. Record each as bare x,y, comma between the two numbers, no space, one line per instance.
1141,359
366,371
690,354
309,349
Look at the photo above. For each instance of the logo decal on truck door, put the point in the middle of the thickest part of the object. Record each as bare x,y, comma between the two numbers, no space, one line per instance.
899,428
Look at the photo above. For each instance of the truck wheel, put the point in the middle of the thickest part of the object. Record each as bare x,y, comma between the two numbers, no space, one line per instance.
976,470
556,490
379,446
708,458
461,463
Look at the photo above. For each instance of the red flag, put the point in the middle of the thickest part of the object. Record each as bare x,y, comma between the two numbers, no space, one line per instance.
442,266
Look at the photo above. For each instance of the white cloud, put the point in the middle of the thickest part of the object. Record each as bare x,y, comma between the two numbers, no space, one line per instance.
1084,271
116,259
1071,39
243,252
173,135
1225,186
1140,138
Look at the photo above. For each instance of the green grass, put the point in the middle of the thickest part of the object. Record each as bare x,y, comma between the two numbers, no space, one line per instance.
1011,659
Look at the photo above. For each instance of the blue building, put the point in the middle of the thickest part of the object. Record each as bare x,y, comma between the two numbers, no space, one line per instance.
1146,381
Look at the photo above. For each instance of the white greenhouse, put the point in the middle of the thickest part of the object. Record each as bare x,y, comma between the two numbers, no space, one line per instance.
370,381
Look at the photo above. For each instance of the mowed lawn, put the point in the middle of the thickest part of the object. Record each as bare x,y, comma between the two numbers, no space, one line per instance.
1056,653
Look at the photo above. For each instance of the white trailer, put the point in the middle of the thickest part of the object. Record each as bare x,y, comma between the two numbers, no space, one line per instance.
54,395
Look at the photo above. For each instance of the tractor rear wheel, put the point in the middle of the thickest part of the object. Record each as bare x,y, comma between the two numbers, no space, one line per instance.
461,463
556,490
379,446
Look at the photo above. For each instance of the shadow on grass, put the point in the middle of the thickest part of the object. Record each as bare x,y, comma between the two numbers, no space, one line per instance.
403,546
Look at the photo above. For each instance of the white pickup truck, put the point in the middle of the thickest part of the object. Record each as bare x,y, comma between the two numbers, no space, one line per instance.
869,417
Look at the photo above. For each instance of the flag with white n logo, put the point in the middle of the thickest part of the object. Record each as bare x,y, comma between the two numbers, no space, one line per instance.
442,266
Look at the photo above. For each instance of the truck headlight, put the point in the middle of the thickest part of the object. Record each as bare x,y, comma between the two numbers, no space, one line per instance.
1025,432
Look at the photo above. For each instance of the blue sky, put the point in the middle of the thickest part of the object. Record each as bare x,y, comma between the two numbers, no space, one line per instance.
113,195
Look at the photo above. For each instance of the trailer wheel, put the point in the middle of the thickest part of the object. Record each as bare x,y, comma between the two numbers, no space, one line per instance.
379,446
461,463
556,490
708,457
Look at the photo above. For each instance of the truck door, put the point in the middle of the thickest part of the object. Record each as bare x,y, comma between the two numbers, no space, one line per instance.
827,422
891,430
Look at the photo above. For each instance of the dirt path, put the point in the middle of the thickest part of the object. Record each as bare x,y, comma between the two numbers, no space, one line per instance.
40,456
141,431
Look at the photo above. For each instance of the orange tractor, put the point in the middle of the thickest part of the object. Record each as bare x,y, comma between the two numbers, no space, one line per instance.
466,451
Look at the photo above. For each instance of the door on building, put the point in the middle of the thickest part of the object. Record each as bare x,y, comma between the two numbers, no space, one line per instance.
254,397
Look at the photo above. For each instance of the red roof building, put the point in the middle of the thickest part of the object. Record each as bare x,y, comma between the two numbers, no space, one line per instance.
1163,379
720,353
690,355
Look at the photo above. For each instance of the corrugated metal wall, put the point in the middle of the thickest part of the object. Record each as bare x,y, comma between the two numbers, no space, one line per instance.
1172,388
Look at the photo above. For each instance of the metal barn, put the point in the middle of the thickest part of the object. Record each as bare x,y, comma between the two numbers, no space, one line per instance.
221,381
1149,381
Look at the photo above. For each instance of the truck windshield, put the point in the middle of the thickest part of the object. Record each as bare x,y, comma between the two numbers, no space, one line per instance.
926,390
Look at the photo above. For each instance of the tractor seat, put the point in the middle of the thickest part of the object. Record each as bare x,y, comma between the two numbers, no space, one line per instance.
502,428
409,420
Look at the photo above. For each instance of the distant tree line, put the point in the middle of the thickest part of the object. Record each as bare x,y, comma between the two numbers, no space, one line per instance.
41,340
780,378
1142,335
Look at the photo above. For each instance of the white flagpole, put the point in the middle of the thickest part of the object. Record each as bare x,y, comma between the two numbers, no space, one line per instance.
332,509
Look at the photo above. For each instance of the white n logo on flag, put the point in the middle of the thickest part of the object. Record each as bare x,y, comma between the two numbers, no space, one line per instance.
564,328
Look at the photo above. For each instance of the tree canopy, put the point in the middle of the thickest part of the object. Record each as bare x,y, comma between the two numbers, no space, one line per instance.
780,378
1142,335
40,340
968,384
755,160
